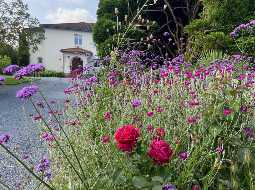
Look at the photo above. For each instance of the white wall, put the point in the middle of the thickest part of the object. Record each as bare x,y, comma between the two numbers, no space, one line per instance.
55,40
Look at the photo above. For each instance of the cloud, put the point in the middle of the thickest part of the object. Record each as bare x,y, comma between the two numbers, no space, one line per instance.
62,15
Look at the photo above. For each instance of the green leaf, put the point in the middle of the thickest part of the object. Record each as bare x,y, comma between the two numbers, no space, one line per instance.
157,179
140,182
116,175
157,187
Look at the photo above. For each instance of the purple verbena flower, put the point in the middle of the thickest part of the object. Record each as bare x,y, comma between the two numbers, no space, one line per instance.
4,138
11,69
25,71
27,92
169,187
35,67
249,132
43,165
183,155
136,103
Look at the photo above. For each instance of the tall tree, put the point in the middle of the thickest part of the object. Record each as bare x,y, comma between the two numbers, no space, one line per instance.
145,21
15,21
218,19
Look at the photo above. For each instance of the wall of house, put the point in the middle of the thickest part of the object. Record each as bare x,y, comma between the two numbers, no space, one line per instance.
55,40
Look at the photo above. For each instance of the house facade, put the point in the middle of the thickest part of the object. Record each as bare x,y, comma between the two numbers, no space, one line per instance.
66,47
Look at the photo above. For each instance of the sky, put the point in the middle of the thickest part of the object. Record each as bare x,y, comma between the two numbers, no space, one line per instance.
59,11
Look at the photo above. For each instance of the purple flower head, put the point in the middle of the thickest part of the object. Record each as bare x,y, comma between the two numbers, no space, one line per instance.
4,138
25,71
11,69
48,137
249,132
183,155
27,92
35,67
169,187
136,103
242,27
219,149
2,79
92,80
43,165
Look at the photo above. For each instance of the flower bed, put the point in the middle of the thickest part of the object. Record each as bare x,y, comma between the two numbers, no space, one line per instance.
179,127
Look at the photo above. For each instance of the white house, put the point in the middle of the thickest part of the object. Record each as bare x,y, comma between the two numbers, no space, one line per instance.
67,46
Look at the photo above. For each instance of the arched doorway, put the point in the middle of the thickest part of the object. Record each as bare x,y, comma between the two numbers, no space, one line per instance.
77,63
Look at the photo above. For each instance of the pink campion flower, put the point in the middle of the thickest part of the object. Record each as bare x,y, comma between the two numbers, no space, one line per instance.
187,82
192,120
160,133
196,187
227,112
193,103
105,139
37,117
242,77
107,116
160,109
150,128
171,69
219,149
150,114
189,74
164,73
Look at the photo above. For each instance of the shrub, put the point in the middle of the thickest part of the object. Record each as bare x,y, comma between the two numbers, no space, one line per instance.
52,74
4,61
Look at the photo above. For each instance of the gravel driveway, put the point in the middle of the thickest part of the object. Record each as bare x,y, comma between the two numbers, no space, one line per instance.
15,120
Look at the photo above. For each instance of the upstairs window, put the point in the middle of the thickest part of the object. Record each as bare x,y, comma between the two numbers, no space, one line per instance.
77,40
40,60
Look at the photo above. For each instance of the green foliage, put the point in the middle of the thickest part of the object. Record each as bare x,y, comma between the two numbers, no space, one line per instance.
103,30
51,74
208,57
8,50
4,61
109,168
10,80
15,20
219,18
23,51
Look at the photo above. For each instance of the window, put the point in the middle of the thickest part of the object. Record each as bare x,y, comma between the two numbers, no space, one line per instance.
40,60
77,40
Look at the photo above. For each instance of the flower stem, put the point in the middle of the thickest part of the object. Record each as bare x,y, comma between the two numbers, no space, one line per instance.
57,142
68,140
26,167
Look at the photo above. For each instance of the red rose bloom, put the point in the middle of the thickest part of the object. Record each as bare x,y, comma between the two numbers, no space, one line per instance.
127,137
160,151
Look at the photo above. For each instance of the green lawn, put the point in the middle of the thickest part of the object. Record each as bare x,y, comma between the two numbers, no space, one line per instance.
10,80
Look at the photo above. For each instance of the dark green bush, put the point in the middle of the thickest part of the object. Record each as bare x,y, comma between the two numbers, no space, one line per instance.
52,74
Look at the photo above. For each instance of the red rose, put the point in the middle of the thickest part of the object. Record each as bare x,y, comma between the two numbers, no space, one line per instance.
160,151
127,137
